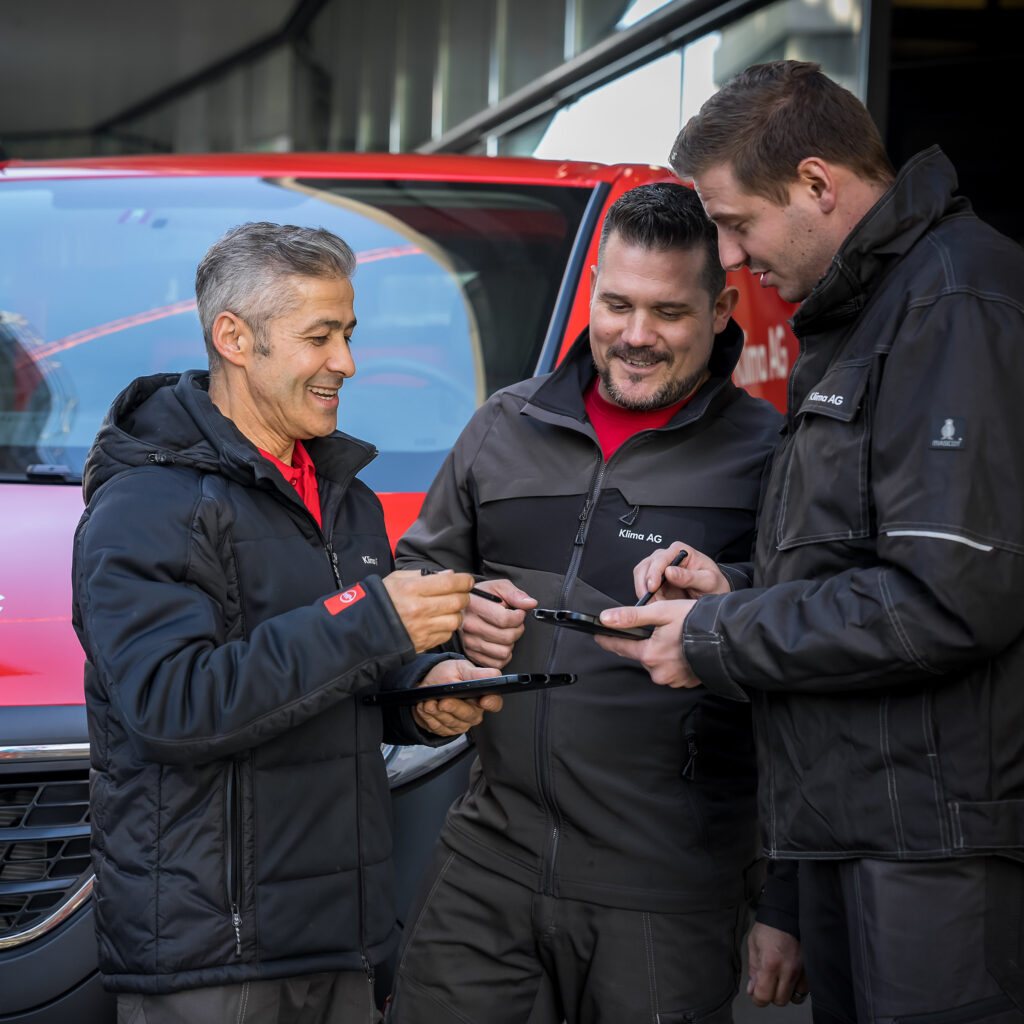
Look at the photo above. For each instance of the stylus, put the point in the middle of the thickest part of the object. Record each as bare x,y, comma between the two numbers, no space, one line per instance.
650,593
473,590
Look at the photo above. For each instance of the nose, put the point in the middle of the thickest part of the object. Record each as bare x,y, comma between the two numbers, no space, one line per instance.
639,330
732,255
339,359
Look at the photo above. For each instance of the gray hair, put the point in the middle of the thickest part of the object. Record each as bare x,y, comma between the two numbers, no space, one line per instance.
247,272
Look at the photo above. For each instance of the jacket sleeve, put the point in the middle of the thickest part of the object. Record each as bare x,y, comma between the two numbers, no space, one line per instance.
149,611
944,588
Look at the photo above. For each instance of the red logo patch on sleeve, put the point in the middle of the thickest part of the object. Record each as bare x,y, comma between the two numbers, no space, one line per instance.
339,602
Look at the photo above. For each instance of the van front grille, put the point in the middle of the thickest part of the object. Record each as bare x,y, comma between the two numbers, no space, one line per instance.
44,846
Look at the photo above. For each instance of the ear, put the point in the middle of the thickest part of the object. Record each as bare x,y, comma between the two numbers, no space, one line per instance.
816,180
232,338
593,280
724,306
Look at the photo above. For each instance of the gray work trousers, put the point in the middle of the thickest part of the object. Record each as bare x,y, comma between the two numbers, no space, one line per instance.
914,942
335,997
481,949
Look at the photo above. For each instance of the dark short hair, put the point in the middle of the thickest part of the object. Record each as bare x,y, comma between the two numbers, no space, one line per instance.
769,118
666,215
248,272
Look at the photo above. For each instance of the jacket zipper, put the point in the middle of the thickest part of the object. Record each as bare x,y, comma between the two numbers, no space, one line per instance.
234,852
543,772
333,559
367,966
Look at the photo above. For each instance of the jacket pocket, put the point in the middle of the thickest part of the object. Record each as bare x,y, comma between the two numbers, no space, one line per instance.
987,826
691,773
828,454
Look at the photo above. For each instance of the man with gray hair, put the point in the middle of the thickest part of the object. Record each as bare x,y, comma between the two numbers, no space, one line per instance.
241,836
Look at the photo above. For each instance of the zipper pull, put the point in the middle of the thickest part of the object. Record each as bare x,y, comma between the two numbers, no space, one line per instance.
630,517
690,768
236,920
583,522
368,968
334,563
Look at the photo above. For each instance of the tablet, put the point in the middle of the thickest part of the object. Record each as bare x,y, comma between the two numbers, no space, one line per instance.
589,624
503,685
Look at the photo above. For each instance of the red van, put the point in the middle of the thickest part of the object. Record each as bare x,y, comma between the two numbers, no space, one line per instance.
473,273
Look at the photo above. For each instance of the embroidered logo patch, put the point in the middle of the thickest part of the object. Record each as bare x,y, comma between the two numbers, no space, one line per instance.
948,433
823,399
339,602
369,560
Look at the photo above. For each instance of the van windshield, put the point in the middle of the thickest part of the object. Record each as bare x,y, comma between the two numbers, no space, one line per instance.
454,293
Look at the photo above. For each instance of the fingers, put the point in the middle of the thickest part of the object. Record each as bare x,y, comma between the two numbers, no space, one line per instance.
662,654
661,613
452,716
776,972
489,630
509,593
649,573
430,607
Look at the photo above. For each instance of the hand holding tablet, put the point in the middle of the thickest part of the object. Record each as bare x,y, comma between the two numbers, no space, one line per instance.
503,685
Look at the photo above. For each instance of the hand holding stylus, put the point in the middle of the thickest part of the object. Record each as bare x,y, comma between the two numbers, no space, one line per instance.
650,593
661,576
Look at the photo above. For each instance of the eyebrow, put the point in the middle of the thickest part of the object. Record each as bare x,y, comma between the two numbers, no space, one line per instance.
666,304
331,325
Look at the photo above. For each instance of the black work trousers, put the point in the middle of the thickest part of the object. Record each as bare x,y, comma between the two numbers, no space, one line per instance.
481,949
914,942
334,997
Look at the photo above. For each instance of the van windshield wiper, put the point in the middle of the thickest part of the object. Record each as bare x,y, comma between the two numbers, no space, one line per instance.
50,473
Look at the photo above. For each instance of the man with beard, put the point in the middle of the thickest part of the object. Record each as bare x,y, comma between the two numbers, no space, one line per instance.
602,864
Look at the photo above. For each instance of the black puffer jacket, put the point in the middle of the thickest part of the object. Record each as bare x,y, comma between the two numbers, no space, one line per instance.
613,790
240,808
887,660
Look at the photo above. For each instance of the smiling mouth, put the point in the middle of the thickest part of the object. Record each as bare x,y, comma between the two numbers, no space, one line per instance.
638,364
325,393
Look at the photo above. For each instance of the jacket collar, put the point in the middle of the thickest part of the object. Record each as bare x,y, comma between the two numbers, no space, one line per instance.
920,196
169,419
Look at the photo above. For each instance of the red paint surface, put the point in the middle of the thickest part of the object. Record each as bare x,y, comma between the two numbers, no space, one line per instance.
40,658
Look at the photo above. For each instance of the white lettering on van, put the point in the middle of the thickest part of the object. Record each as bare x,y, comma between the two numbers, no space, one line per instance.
760,363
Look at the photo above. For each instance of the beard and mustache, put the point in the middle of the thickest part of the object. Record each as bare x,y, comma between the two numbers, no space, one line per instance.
670,392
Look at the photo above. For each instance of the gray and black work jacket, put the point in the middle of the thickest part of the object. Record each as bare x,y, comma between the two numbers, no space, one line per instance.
240,805
611,790
886,661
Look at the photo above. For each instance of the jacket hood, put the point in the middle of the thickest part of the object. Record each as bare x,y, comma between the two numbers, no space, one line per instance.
920,196
562,392
169,419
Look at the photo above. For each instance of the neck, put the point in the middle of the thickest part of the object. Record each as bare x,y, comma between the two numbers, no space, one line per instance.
240,411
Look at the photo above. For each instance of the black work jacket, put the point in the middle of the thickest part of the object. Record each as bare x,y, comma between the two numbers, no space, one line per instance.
240,805
886,661
612,790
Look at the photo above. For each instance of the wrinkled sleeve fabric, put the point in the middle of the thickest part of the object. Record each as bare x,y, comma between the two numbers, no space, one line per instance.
149,610
945,589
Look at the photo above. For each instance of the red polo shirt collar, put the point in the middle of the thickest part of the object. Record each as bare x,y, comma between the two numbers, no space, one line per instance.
301,474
